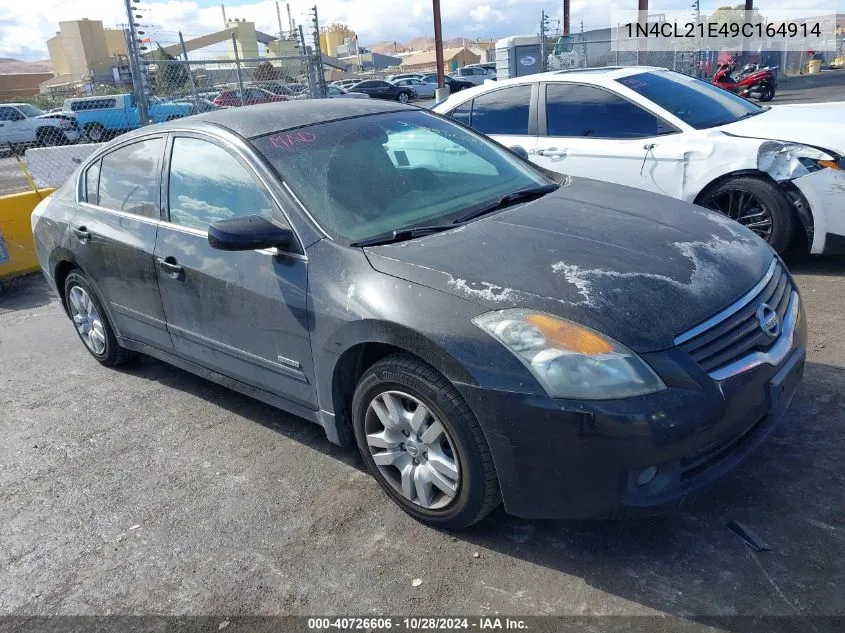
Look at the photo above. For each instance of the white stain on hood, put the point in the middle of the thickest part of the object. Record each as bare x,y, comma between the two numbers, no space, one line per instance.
705,274
483,290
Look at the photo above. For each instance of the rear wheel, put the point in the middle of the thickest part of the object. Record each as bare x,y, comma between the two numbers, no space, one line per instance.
757,204
422,443
91,323
767,92
95,132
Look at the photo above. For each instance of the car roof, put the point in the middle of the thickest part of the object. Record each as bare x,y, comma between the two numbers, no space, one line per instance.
257,120
603,76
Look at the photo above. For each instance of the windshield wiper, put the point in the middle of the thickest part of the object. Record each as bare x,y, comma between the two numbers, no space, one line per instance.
505,201
407,233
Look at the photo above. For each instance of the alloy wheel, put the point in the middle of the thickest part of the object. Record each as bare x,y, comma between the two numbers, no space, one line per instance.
744,207
403,97
87,320
412,450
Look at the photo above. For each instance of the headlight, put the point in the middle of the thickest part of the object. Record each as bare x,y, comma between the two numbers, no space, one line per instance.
787,161
570,360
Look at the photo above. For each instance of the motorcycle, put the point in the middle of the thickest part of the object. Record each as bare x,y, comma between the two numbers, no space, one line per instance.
751,83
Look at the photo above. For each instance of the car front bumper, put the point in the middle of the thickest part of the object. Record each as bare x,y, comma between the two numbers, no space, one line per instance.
824,191
561,459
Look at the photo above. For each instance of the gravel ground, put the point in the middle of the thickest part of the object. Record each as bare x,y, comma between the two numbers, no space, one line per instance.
148,490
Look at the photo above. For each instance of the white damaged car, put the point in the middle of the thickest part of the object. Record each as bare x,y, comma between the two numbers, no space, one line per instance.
779,170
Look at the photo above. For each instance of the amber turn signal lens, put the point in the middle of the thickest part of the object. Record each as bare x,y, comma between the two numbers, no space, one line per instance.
830,164
569,336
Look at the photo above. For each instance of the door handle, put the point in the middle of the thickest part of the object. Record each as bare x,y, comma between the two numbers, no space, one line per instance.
552,152
83,234
169,265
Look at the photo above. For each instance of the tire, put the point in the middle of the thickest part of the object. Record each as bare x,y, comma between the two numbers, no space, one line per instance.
95,132
173,117
48,136
409,383
111,354
403,97
771,199
767,92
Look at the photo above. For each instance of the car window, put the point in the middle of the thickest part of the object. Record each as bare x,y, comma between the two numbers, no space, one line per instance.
579,111
502,111
334,90
695,102
462,112
207,183
371,175
10,114
128,178
92,184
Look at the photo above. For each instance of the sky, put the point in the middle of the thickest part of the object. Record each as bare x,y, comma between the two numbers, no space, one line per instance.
26,26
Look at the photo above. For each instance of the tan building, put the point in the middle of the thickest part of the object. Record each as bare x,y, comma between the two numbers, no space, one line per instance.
333,36
82,49
453,58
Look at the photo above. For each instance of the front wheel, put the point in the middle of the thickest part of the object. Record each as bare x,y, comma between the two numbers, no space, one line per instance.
757,204
403,97
422,443
95,132
92,324
767,92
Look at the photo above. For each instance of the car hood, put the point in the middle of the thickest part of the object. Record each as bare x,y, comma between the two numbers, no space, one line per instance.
813,125
636,266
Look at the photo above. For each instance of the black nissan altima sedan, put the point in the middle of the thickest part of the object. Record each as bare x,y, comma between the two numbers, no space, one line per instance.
483,332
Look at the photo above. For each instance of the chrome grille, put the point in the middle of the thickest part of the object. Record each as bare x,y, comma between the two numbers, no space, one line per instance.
735,333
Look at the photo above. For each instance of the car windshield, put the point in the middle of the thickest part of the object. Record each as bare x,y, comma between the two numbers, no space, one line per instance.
369,176
29,111
695,102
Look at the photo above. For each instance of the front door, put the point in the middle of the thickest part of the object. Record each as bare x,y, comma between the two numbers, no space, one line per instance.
241,314
591,132
113,235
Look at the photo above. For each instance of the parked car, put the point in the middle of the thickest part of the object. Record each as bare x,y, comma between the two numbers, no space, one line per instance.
378,89
488,67
778,170
633,349
190,105
345,83
336,92
292,90
476,75
249,96
102,117
22,124
424,90
455,85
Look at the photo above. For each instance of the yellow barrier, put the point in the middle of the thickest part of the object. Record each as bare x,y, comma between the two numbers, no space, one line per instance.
16,232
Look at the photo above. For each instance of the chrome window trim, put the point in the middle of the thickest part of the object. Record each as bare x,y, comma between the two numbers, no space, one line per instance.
123,214
736,306
774,355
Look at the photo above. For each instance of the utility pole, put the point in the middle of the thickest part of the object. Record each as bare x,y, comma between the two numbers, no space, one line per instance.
318,58
238,66
438,46
566,17
135,68
543,63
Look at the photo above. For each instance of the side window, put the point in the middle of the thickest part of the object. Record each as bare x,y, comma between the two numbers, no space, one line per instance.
92,184
462,112
5,114
586,111
502,111
129,178
207,183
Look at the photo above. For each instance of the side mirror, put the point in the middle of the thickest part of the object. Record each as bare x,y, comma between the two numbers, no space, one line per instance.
519,151
247,233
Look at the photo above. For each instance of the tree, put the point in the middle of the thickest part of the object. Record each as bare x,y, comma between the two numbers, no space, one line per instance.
265,71
170,78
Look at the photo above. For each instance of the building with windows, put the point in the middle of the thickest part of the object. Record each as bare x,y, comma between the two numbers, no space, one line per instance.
333,36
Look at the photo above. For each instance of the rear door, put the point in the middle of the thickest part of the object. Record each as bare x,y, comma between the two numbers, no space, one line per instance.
593,132
114,235
241,314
